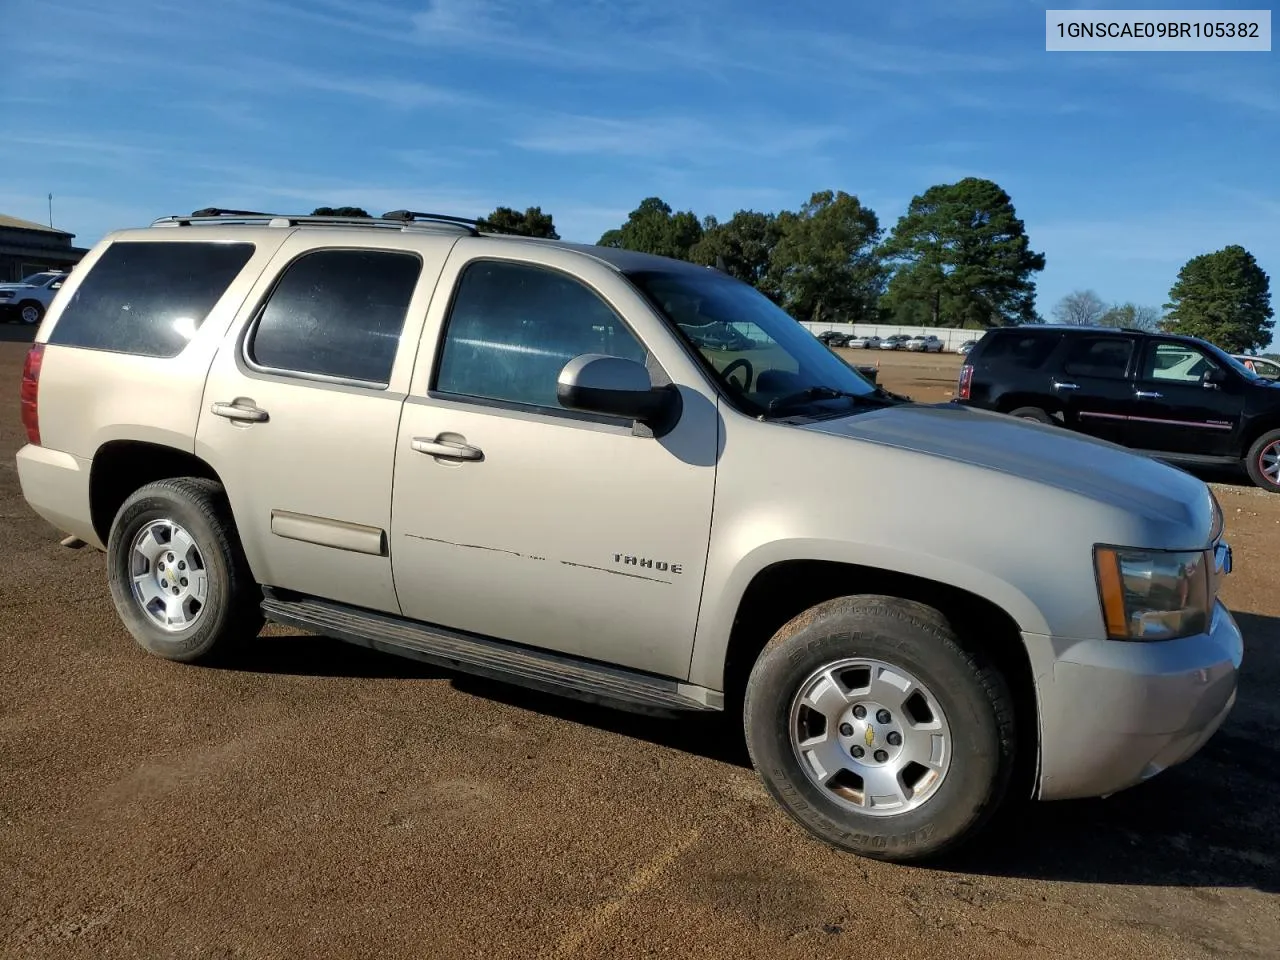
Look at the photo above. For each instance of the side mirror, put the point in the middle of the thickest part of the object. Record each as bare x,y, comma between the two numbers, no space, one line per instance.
1214,377
597,383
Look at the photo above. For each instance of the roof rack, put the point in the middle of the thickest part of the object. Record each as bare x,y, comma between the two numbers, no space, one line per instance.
398,219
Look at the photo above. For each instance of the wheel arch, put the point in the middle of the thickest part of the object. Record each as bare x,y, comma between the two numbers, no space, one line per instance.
784,588
122,466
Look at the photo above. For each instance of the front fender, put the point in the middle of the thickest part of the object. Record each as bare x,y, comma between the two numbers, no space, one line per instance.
724,595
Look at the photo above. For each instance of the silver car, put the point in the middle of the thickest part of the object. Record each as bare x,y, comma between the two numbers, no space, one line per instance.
520,460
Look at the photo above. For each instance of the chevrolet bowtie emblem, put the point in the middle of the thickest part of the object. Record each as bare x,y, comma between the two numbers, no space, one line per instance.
871,735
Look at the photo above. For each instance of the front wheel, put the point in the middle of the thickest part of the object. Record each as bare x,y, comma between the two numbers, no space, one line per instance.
178,576
1263,461
875,729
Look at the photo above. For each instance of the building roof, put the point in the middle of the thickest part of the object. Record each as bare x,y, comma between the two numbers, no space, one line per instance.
14,223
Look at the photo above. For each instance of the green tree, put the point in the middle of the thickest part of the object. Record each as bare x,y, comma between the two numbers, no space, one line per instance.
1133,316
532,223
652,227
1081,308
962,258
339,212
741,246
1223,297
825,266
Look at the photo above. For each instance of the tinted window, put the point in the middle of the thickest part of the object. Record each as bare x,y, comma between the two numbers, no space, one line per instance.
1026,350
1176,363
1098,356
514,326
337,313
149,298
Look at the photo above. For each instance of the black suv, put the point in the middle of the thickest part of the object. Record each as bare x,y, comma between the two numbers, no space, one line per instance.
1175,398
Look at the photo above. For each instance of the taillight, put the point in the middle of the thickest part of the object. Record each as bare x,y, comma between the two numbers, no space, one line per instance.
966,380
31,392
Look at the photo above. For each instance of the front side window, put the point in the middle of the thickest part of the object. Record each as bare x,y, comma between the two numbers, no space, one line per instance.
337,313
1099,357
149,297
766,362
1176,363
514,326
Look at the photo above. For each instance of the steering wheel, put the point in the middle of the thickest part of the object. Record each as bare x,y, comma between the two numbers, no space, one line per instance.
740,362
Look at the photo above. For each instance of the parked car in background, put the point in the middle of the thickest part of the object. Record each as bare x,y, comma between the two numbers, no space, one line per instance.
895,342
518,461
965,347
1172,397
719,336
1262,366
27,300
863,341
924,344
833,338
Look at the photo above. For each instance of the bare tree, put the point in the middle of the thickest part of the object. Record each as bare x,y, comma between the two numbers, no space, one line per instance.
1133,316
1081,308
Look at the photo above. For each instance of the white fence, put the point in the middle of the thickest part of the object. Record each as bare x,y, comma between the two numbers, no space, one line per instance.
950,336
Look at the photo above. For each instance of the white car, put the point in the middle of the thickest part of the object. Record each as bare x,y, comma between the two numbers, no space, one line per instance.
867,342
896,342
929,344
29,298
1260,365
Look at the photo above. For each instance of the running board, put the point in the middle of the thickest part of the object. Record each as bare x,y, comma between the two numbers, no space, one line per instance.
494,659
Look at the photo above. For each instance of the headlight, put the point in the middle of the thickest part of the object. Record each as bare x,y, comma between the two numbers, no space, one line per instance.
1154,594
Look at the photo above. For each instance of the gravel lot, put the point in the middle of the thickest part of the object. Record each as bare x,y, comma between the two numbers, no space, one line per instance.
323,801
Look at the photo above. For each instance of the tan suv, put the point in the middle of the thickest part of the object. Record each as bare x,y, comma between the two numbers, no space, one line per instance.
523,459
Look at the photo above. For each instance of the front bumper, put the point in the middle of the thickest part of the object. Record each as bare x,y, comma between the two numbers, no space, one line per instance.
1114,713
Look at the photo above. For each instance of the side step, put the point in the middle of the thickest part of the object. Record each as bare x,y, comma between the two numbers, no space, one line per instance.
523,666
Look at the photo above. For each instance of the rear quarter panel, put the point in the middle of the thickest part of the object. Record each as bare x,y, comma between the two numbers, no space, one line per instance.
90,397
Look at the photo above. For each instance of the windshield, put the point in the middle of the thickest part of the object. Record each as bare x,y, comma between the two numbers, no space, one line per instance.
38,279
755,349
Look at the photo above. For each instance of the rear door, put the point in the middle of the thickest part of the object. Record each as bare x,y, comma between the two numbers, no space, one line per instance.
1093,384
1177,410
302,405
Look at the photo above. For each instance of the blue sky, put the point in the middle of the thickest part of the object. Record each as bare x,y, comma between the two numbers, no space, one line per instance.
1121,165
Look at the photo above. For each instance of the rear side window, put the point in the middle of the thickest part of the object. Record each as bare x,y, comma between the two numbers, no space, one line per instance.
149,298
337,313
1098,357
1028,351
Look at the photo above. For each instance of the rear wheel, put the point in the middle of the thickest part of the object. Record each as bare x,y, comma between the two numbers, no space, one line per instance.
178,576
1032,413
879,733
1263,461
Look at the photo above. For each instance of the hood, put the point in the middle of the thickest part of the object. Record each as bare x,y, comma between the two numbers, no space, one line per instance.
17,286
1037,452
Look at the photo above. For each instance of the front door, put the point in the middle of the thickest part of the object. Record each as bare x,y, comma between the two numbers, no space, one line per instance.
1178,410
518,519
301,409
1093,384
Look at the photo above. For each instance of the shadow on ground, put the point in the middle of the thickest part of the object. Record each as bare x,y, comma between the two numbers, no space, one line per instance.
1213,821
17,333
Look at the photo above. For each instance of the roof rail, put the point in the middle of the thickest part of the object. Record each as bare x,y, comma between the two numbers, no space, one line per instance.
399,220
412,216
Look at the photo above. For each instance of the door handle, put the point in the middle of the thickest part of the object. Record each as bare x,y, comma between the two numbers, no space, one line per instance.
1058,385
239,409
448,449
1148,394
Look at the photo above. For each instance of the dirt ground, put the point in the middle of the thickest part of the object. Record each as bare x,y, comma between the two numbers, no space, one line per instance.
318,800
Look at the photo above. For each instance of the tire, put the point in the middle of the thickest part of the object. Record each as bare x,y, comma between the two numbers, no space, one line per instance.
30,312
227,611
1263,461
1032,413
967,698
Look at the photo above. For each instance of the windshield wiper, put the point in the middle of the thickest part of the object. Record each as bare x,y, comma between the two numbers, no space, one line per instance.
807,394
